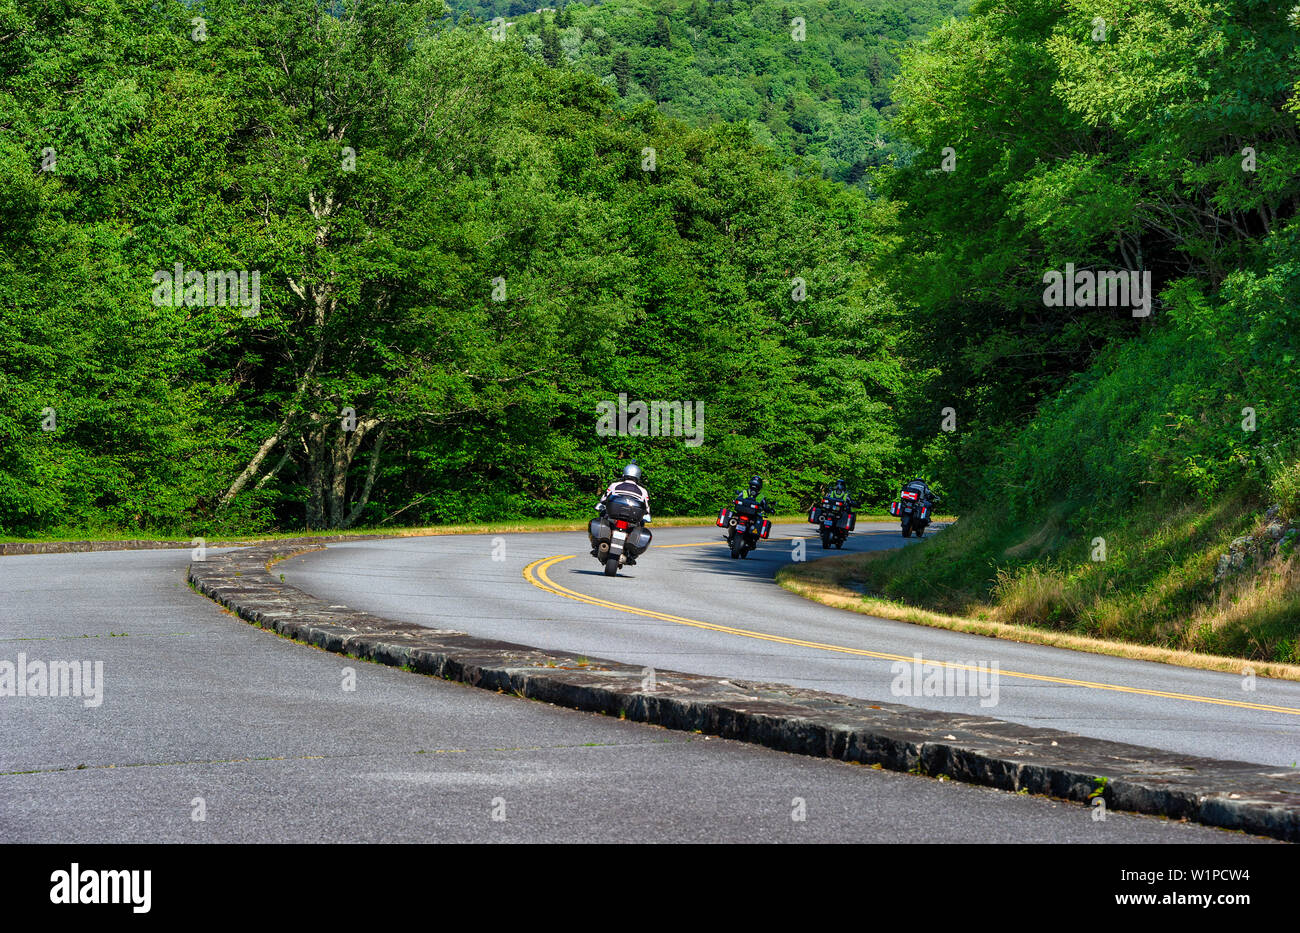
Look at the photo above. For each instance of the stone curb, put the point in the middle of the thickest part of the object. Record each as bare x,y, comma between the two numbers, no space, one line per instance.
980,750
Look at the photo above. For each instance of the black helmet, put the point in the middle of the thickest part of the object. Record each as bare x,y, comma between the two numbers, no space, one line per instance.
839,485
755,485
632,472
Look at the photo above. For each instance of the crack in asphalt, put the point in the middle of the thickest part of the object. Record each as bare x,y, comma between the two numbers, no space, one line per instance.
420,751
108,635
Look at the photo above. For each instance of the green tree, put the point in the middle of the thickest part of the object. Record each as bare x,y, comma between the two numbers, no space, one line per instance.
622,71
550,46
663,36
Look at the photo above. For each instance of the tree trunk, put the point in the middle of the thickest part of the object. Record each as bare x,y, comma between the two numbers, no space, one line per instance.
254,465
371,470
331,452
322,305
313,443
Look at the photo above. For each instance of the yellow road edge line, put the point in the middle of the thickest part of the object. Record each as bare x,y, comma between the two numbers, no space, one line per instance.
535,573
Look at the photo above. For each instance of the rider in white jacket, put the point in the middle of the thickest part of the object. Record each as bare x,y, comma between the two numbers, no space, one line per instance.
628,485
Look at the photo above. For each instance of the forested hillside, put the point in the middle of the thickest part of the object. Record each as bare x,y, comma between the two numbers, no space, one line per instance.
811,78
461,253
1107,458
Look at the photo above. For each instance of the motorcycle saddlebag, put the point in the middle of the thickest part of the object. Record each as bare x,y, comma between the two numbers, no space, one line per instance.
638,539
814,516
925,513
766,526
893,508
598,529
847,521
723,517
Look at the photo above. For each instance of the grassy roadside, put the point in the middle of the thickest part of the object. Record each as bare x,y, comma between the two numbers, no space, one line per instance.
1153,595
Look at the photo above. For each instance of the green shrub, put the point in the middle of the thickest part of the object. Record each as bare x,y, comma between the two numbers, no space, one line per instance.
1285,487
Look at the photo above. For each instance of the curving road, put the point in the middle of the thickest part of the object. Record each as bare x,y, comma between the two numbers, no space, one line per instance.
204,715
688,606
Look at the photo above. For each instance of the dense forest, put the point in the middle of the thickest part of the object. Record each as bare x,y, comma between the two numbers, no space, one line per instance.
1107,456
811,78
460,252
440,243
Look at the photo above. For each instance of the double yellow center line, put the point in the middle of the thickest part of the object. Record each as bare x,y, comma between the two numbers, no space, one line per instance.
536,574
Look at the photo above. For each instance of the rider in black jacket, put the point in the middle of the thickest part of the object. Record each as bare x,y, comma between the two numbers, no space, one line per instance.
922,487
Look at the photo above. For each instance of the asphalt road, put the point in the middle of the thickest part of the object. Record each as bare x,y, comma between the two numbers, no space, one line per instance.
202,714
689,576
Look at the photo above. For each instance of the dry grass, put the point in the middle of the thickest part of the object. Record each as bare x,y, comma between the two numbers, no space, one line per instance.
1035,594
831,580
1264,601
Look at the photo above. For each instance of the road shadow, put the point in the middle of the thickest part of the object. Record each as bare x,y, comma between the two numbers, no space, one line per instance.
772,553
599,573
777,551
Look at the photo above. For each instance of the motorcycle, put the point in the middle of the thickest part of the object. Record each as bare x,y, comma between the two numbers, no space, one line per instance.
914,507
745,524
619,533
834,520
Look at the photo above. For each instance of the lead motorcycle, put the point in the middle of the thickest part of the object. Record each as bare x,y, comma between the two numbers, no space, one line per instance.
834,520
745,524
619,533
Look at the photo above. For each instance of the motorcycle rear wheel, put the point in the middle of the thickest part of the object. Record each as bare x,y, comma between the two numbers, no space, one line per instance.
907,529
611,567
